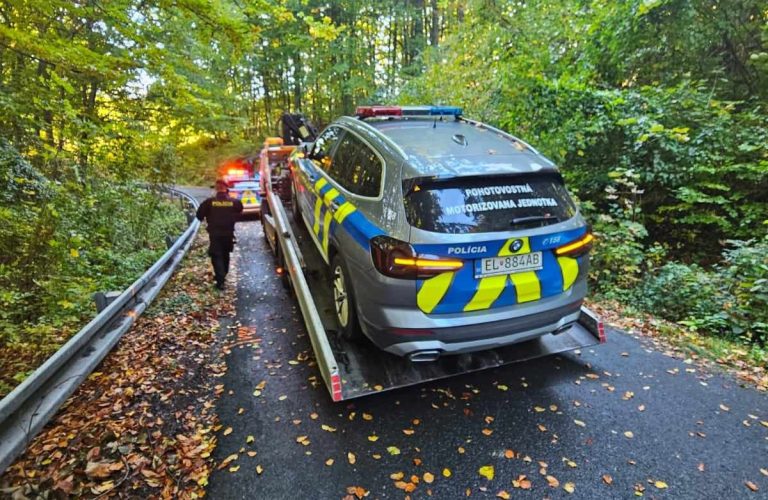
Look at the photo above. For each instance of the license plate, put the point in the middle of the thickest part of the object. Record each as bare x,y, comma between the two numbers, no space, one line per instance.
519,263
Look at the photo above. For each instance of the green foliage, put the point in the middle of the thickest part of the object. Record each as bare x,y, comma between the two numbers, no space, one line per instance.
61,242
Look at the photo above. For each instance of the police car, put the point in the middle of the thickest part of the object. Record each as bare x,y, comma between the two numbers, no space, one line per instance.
443,235
247,191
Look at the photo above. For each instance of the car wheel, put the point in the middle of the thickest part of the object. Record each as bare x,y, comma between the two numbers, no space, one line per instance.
344,301
295,205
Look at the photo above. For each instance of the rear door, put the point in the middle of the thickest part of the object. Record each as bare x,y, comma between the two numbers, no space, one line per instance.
308,174
504,228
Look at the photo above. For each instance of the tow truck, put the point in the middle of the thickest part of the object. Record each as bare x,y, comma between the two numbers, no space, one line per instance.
353,369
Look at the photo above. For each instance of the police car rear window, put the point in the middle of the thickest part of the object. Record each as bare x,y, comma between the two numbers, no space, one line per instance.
487,204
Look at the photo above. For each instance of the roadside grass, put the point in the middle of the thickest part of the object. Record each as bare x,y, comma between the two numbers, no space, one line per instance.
749,363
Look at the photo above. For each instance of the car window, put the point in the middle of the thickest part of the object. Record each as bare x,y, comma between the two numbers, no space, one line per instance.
321,150
487,204
356,167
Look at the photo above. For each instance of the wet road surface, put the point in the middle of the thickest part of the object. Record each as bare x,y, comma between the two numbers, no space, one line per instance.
649,423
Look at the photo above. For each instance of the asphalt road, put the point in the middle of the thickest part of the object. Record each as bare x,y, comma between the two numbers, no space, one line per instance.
694,434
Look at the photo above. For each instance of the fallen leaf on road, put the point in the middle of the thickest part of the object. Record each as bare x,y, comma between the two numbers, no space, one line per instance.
460,449
486,471
509,454
764,472
701,467
283,397
579,423
428,477
358,491
408,432
607,479
487,432
367,416
393,450
502,387
304,440
446,472
752,486
234,468
522,482
629,434
569,487
541,428
250,439
552,481
628,395
660,485
328,428
228,431
397,476
641,408
351,457
724,408
373,438
538,409
503,494
552,407
313,416
259,469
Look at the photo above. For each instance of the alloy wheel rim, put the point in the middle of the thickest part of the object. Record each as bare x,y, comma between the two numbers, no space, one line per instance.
340,296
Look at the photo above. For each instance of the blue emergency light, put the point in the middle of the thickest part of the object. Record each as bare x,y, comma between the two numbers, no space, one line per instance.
372,111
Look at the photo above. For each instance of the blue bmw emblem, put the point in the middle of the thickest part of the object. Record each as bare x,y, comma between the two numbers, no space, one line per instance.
516,245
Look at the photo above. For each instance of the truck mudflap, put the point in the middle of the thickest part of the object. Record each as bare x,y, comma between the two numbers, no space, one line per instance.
355,369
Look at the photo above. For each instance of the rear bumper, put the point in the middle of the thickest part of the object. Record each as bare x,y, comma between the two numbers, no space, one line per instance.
476,337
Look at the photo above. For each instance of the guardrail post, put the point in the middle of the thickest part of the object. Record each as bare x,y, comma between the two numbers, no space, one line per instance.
169,241
190,217
103,299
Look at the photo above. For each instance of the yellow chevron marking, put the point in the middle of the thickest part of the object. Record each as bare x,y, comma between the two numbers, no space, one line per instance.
489,289
570,269
320,183
318,208
326,230
527,286
433,290
330,195
345,209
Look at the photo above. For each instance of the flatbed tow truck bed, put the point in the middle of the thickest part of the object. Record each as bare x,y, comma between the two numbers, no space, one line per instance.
355,369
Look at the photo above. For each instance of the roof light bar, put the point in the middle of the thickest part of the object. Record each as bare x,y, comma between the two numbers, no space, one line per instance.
372,111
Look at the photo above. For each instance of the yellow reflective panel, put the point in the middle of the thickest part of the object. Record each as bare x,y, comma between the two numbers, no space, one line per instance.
318,209
488,290
320,183
330,195
433,290
344,210
527,286
570,269
326,230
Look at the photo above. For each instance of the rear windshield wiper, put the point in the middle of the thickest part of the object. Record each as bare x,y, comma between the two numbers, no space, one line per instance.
544,219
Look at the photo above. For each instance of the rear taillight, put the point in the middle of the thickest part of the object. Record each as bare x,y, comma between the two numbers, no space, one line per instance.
398,259
576,248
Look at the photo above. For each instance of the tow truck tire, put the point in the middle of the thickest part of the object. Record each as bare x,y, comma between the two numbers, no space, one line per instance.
344,301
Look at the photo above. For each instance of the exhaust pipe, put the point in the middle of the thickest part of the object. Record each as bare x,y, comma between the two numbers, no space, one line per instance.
563,329
424,356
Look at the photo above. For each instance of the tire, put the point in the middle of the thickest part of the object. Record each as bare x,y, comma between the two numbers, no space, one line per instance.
344,301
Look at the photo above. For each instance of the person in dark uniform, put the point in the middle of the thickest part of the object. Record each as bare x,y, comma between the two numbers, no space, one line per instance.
221,212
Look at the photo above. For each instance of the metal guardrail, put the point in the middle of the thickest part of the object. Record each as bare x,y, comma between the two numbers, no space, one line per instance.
35,401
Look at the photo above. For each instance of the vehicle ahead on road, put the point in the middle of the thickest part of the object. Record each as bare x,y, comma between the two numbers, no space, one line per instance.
443,235
247,191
